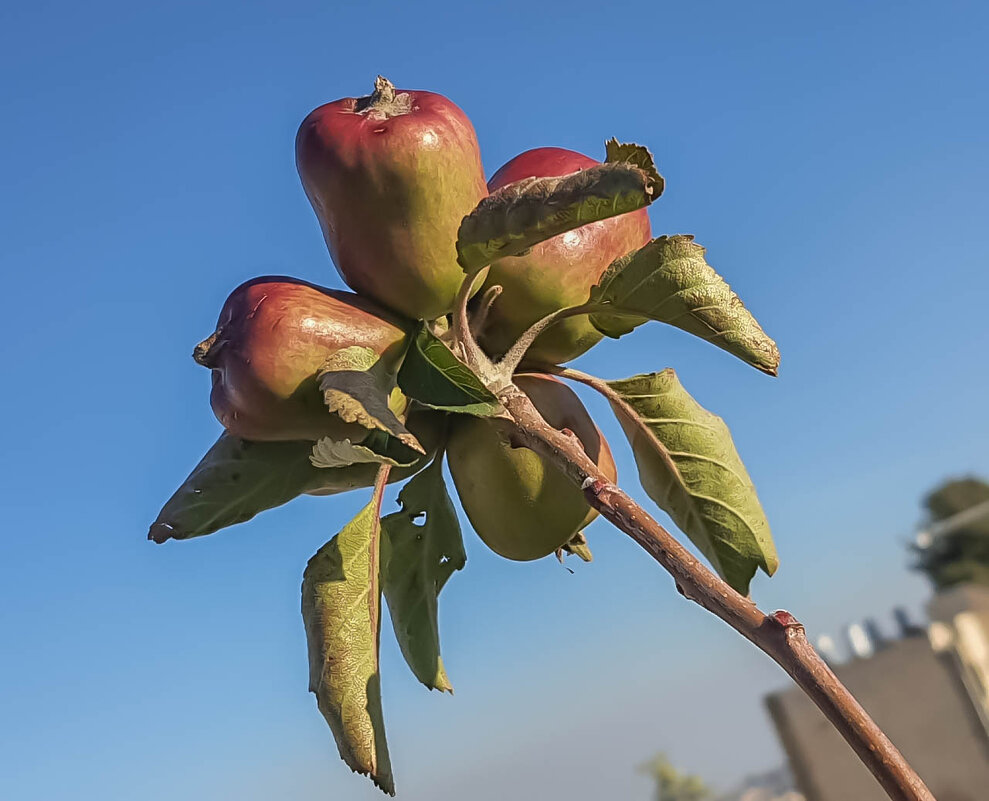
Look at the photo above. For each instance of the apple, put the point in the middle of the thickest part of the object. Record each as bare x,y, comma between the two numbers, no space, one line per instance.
273,335
558,272
519,504
390,176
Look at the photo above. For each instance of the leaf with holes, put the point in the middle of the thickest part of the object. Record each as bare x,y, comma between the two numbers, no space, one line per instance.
237,479
522,214
689,466
418,557
341,609
434,376
669,280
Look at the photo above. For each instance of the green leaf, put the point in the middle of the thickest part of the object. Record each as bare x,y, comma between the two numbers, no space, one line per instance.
418,557
434,376
522,214
689,466
237,479
234,481
669,280
341,608
356,389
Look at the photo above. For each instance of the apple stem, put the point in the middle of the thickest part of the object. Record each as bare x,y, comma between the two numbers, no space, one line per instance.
384,91
385,101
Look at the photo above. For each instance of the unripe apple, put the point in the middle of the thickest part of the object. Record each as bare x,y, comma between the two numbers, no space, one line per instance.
558,272
522,506
390,177
273,335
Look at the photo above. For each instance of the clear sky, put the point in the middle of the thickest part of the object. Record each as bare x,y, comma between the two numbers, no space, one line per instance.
833,159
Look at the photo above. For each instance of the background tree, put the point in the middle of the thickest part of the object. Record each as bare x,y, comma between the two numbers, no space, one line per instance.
953,548
674,785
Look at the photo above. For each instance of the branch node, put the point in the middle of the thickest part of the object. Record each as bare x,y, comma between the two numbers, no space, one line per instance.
785,619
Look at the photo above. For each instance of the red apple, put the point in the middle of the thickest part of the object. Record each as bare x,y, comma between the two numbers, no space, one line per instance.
558,272
390,177
273,335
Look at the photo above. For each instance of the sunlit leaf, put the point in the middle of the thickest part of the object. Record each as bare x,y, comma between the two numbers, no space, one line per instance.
341,608
689,466
434,376
513,219
421,548
669,280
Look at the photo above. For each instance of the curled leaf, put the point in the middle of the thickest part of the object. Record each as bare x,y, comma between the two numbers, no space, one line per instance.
434,376
669,280
689,466
357,398
532,210
376,448
341,609
631,153
355,357
359,390
421,548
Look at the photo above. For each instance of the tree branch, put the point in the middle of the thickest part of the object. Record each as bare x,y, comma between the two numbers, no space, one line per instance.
779,634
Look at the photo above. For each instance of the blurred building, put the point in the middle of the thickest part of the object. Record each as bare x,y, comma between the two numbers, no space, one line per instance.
775,785
927,688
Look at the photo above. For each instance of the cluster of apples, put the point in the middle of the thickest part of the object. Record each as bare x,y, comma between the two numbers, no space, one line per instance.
390,178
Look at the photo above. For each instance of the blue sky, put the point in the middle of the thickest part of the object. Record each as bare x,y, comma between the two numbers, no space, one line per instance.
832,158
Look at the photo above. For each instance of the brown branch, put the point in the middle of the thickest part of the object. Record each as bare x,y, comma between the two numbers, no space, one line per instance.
779,635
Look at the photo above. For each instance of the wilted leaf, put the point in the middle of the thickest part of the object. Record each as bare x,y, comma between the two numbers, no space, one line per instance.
630,153
669,280
434,376
357,392
689,466
377,448
527,212
341,608
421,548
